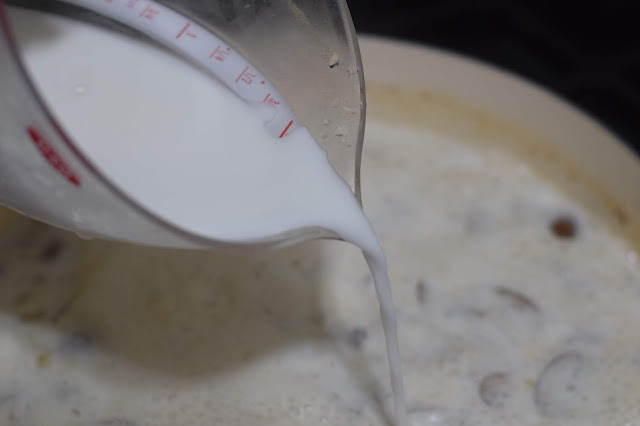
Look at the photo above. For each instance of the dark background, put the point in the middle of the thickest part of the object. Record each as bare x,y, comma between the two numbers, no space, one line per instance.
589,52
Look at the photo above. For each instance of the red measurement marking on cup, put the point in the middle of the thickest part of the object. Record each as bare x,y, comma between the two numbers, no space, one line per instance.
220,54
245,76
270,100
52,157
184,31
286,128
149,13
155,19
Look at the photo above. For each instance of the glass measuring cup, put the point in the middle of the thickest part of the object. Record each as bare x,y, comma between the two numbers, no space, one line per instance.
317,75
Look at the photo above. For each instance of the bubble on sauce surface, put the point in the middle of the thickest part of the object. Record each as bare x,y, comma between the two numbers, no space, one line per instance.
496,389
558,390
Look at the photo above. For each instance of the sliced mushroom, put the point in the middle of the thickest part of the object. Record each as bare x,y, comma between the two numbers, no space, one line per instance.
516,299
557,392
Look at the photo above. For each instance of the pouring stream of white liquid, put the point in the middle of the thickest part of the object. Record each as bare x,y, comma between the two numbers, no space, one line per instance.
202,161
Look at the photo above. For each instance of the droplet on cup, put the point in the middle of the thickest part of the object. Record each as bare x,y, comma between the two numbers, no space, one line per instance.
81,89
77,218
